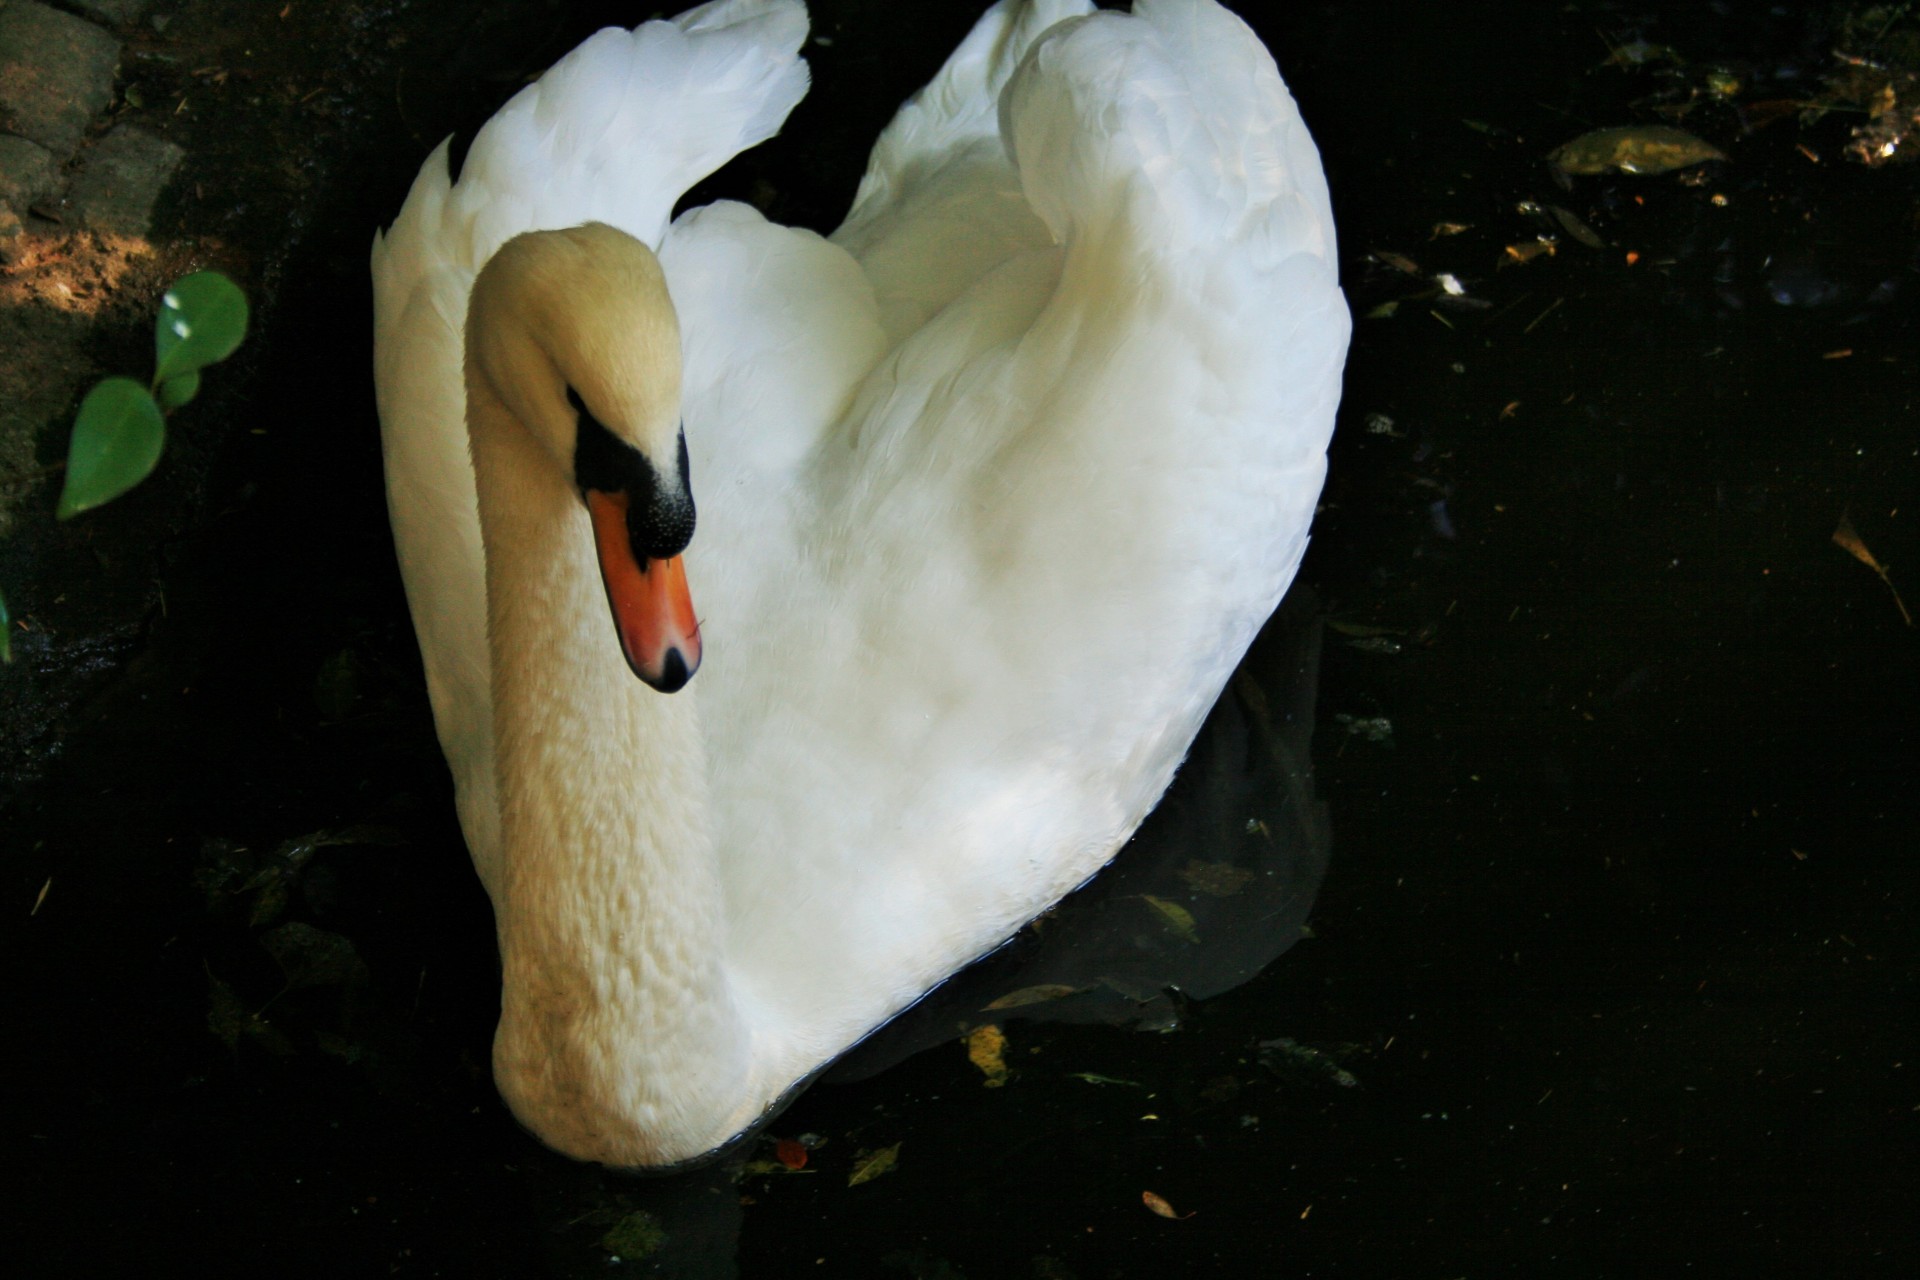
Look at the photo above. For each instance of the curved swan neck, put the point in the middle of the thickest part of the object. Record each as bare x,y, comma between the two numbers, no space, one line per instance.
616,1015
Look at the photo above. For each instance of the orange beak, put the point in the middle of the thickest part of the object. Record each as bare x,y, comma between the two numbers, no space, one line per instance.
651,608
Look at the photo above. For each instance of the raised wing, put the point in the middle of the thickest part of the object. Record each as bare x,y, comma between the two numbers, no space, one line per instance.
614,132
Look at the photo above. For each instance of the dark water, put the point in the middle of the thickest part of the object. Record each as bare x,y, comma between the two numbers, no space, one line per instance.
1612,971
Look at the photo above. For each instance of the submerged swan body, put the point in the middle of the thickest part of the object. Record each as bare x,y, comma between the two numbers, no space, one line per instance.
979,501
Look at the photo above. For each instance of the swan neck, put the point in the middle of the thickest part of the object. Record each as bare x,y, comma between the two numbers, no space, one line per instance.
617,1028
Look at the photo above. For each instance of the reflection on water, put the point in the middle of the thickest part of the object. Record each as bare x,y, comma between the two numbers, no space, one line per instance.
1611,973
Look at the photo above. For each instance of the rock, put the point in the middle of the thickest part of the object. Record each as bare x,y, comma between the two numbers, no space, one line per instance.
56,74
120,178
113,11
10,229
27,172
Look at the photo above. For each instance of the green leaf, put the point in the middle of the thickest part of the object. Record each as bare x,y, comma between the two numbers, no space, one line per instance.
203,317
176,391
116,441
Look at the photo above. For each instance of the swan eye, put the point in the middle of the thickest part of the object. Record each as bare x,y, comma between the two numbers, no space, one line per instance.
659,514
579,406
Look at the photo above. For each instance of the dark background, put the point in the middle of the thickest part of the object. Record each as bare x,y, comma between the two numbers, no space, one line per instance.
1614,949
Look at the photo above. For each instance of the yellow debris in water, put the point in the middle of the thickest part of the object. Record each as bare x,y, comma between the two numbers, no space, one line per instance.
1649,148
987,1050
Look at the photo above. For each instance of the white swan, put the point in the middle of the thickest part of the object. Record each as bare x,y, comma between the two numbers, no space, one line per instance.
994,487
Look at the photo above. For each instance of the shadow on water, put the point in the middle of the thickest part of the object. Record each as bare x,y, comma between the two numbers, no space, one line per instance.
1612,972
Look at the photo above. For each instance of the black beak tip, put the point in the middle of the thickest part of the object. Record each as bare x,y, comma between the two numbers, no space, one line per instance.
674,673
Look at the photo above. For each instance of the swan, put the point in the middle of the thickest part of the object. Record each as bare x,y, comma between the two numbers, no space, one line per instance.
952,524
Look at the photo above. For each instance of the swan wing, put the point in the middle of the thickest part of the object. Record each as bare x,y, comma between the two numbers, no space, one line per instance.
614,132
940,204
1055,513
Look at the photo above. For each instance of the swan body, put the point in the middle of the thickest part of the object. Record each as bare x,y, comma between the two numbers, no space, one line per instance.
994,486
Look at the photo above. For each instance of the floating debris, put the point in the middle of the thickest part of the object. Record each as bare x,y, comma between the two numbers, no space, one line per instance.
1289,1059
1579,230
1398,261
1040,994
1362,629
636,1236
1526,251
1724,82
1879,73
869,1165
987,1050
1160,1206
1217,879
1849,541
1369,728
1638,149
231,1021
1639,53
311,957
1175,915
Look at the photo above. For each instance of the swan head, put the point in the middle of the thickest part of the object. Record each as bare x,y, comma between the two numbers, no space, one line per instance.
573,334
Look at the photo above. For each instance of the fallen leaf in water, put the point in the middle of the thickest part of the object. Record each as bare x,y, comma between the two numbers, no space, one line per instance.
1174,914
1849,541
1449,229
231,1021
1640,53
1221,1089
1362,629
790,1153
635,1236
1527,250
1579,230
987,1049
1398,261
311,957
1642,149
869,1165
1092,1077
1303,1064
1160,1206
1033,995
1758,115
1216,879
1366,728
